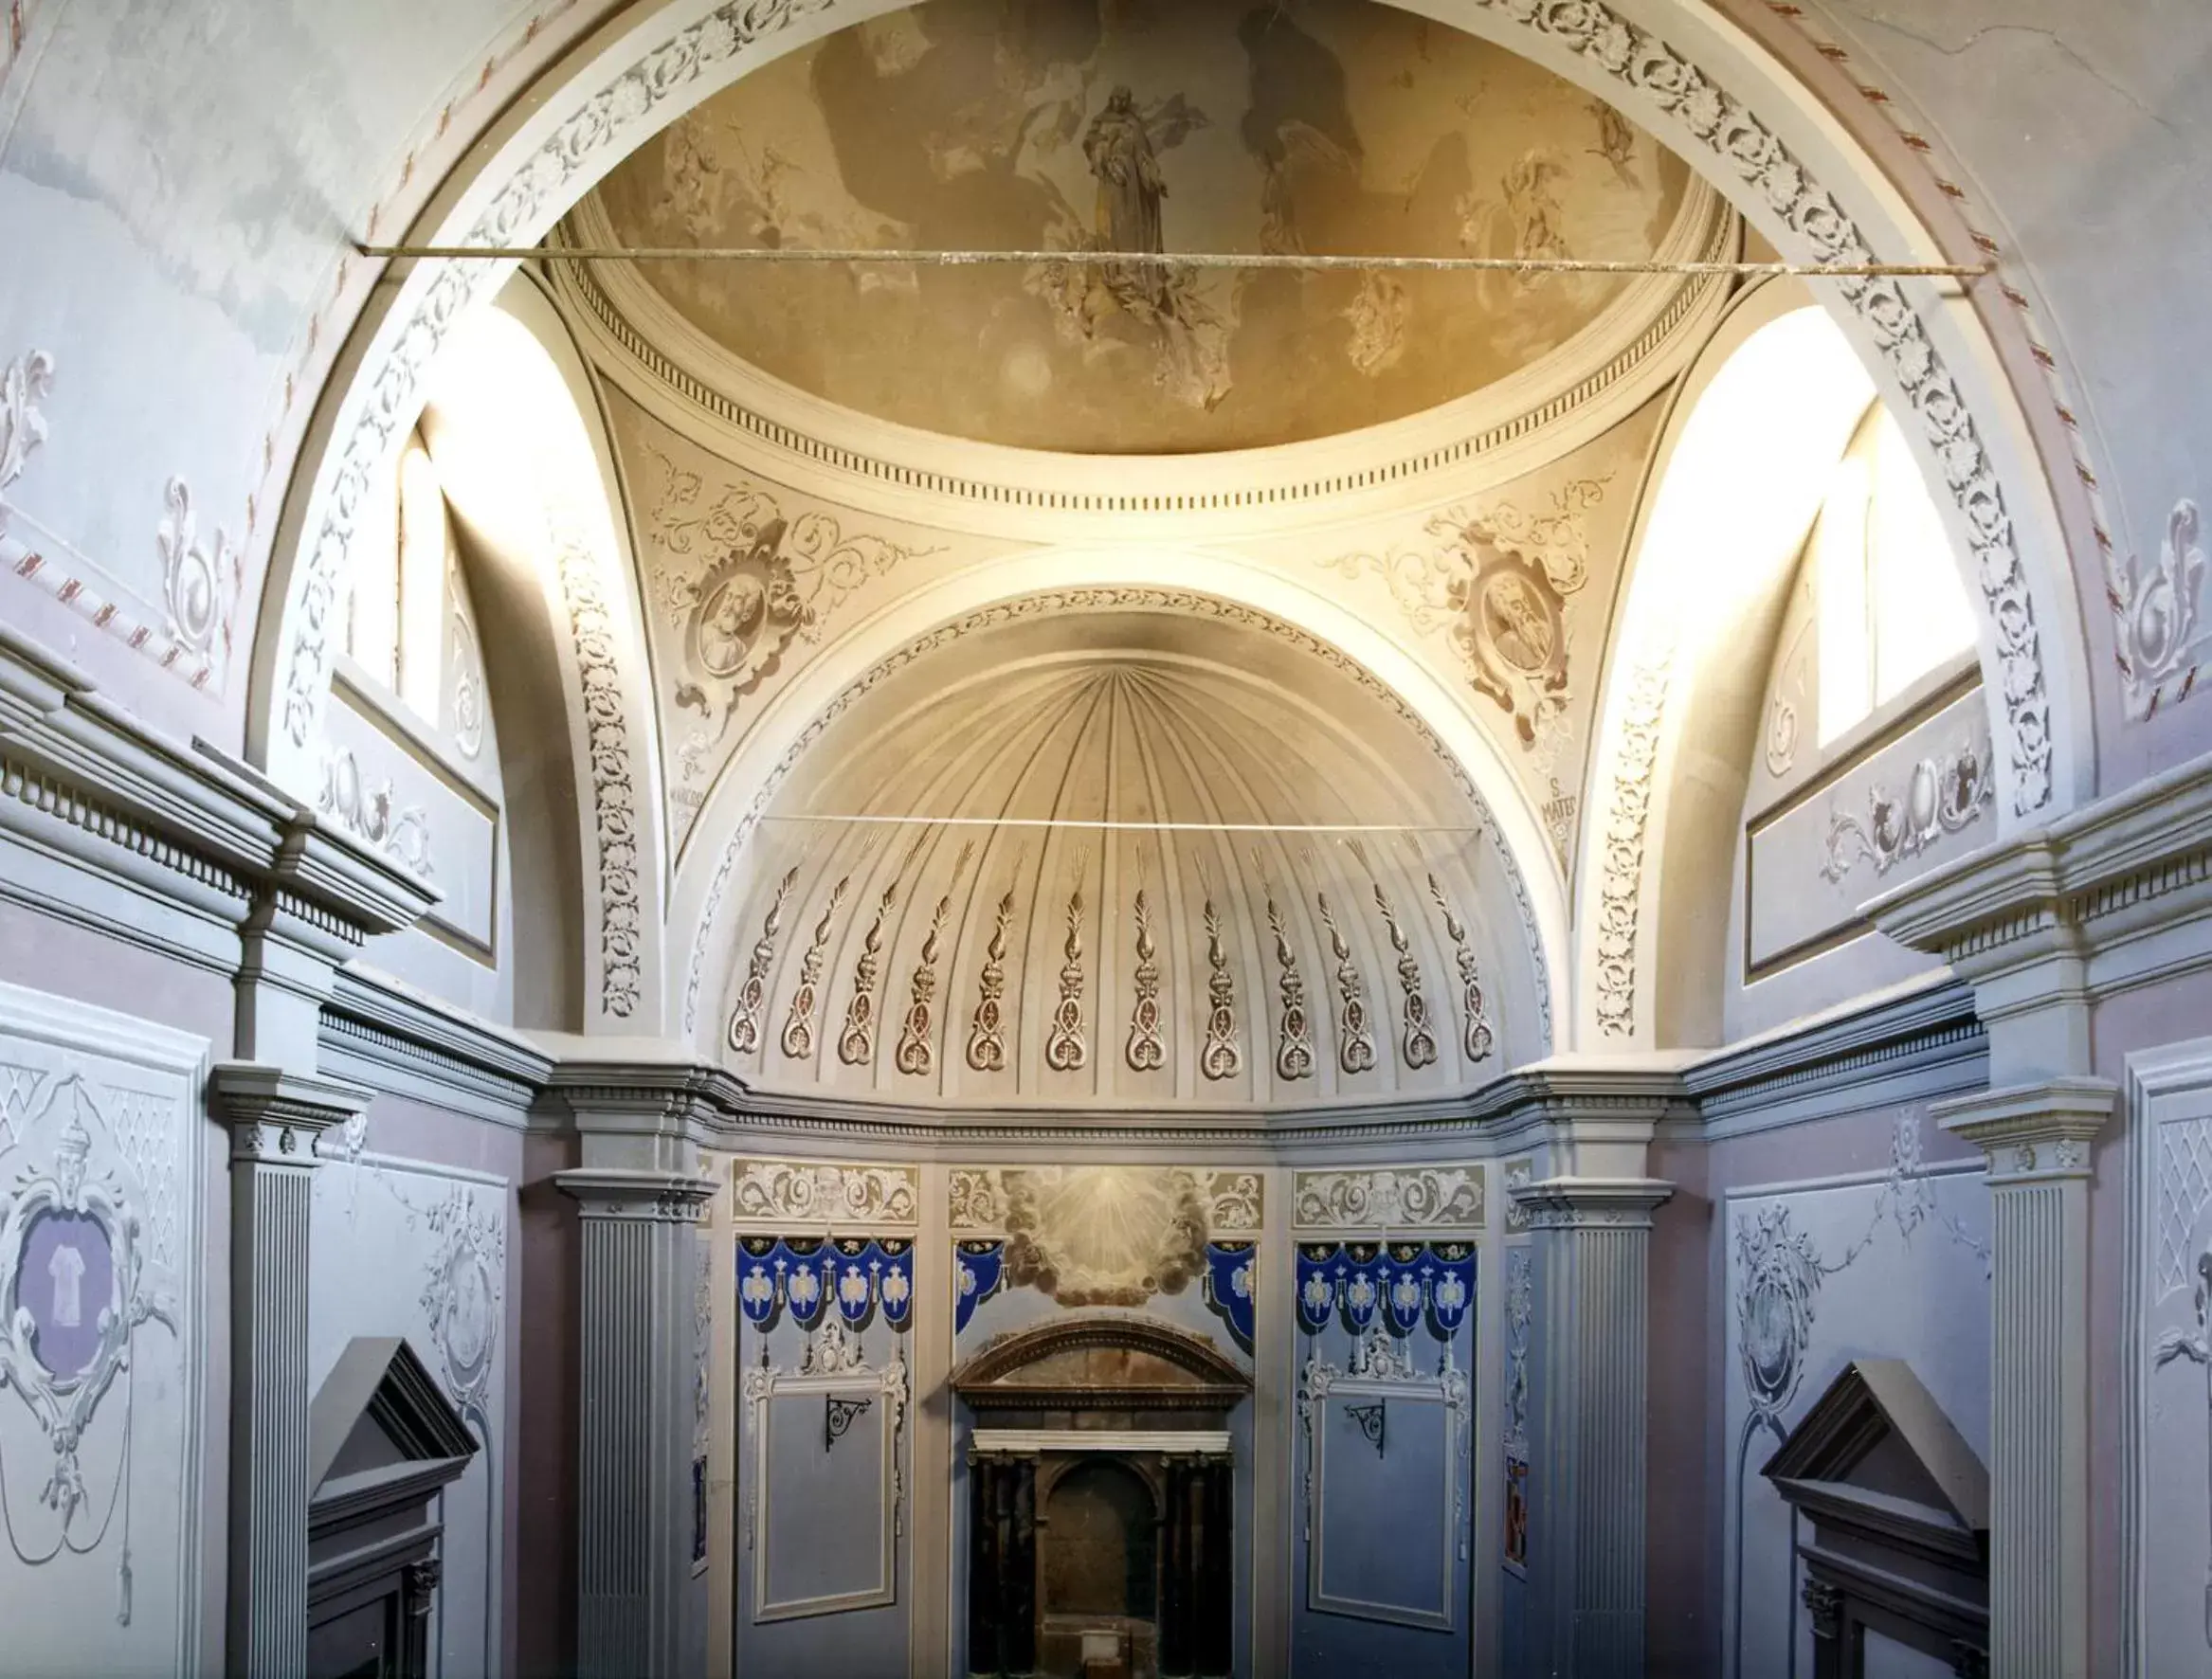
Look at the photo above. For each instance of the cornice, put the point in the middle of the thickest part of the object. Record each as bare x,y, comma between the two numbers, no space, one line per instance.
275,1114
1574,1203
2033,1132
83,778
2087,886
1925,1042
1530,417
426,1049
642,1197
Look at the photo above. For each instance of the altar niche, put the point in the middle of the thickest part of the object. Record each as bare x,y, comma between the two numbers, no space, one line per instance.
1100,1482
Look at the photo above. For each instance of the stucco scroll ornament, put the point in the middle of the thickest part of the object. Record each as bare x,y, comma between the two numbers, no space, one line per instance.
1708,117
524,203
752,996
199,588
987,1042
1520,1315
1416,1042
1778,1284
2155,629
1294,1042
798,1039
976,1198
1223,1056
916,1053
24,383
1066,1047
370,813
467,662
1940,798
1355,1034
1145,1051
2197,1348
857,1043
461,1298
1476,1036
1236,1203
76,1290
1621,883
796,1191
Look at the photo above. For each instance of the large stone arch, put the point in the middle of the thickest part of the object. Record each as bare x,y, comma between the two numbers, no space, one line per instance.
1158,575
1736,112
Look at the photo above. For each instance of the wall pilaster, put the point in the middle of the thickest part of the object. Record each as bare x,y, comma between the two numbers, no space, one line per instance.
1591,1347
2037,1141
275,1118
635,1416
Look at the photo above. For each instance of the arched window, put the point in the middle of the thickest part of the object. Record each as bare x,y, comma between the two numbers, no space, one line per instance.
1891,606
395,621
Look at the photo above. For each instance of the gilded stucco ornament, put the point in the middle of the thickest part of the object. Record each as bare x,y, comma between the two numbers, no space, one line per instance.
1145,1050
1223,1056
1293,1043
1065,1047
1476,1036
1355,1034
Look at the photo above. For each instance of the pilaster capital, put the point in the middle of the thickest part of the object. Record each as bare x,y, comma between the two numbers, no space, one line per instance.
1590,1204
644,1196
661,1091
275,1116
2032,1132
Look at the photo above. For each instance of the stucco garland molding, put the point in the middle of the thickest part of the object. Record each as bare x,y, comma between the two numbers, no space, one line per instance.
614,802
1718,124
1629,812
1101,600
1723,128
517,211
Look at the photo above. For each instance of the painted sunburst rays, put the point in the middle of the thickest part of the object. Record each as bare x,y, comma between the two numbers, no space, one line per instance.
1107,1234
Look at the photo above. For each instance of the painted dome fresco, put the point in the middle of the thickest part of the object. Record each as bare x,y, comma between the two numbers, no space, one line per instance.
1319,126
1163,852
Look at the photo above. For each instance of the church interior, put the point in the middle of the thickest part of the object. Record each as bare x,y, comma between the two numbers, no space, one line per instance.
1111,838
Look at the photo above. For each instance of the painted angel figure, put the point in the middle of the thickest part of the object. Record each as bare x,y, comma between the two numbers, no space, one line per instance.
2197,1348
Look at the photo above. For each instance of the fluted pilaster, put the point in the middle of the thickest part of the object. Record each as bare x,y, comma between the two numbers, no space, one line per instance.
635,1416
1590,1344
274,1117
2037,1141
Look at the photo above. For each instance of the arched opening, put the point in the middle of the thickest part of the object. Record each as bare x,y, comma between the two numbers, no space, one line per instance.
1099,1525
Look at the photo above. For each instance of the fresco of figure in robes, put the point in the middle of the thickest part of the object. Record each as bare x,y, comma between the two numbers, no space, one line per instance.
1130,190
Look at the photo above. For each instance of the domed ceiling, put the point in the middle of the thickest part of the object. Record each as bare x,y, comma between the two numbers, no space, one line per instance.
1197,125
1126,858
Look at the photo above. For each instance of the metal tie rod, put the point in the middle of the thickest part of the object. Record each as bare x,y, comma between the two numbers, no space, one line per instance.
1238,260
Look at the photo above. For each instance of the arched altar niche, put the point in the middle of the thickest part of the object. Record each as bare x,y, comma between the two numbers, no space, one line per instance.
1099,1472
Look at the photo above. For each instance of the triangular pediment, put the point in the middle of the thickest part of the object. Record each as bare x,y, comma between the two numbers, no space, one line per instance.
380,1411
1876,1453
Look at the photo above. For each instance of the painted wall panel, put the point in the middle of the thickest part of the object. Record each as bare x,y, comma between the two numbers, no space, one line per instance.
104,1152
1891,1265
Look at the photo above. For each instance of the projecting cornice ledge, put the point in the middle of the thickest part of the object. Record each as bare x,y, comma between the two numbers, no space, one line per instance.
2114,896
189,826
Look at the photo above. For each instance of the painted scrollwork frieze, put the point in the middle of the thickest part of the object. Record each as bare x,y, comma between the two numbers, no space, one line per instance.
798,1039
1942,797
1394,1198
781,1194
752,995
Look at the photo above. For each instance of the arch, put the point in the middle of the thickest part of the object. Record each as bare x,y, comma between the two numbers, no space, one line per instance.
1157,575
1738,114
514,425
1743,463
1162,1367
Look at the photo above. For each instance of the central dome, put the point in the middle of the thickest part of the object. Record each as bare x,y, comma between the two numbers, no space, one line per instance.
1132,858
1323,126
